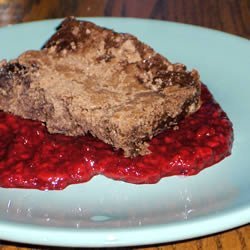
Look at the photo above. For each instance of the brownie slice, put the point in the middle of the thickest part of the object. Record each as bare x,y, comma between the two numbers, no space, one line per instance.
89,79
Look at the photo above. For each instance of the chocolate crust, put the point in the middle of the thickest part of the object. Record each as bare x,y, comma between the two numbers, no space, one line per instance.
89,79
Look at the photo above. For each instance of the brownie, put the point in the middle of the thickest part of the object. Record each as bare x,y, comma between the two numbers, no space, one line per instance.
89,79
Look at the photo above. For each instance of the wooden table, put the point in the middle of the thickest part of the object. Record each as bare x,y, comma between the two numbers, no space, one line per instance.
231,16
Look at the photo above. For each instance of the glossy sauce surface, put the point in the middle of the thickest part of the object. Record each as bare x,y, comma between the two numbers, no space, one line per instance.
30,157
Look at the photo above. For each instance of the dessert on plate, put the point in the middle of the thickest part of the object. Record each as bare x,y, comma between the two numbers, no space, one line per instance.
93,101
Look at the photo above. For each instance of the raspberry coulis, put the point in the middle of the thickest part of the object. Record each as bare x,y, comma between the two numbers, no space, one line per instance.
30,157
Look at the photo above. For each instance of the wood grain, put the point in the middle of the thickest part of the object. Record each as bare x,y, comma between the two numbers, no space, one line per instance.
232,16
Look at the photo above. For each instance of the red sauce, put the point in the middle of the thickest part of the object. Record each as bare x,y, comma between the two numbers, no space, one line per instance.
30,157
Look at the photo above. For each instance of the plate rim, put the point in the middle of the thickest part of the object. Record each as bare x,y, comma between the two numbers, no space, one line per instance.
136,19
114,237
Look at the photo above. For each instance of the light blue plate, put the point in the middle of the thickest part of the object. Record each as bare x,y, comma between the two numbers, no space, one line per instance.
103,212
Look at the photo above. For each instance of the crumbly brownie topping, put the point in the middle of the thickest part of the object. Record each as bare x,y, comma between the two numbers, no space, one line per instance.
88,79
